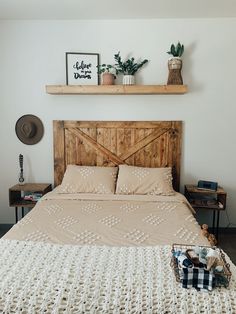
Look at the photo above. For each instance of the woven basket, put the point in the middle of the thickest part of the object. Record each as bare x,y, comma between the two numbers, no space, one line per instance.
183,247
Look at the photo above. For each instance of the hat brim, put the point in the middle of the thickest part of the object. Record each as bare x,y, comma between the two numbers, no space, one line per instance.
29,118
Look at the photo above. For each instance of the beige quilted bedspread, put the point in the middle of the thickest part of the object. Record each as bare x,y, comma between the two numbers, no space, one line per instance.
116,220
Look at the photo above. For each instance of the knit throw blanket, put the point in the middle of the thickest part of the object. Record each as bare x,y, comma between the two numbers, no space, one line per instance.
48,278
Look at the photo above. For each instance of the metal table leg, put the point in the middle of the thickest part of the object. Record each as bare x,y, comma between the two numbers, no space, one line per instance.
213,222
16,213
217,224
22,212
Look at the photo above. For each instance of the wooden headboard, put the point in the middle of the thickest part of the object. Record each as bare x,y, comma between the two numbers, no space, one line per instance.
110,143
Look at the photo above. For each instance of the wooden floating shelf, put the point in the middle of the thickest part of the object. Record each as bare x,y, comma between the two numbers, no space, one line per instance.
116,89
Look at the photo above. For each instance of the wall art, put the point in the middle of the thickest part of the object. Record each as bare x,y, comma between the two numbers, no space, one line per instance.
81,68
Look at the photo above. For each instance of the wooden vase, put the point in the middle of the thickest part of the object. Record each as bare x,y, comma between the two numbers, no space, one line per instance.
175,67
108,79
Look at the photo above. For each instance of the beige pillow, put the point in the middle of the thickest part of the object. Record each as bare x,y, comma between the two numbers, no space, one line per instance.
140,180
89,179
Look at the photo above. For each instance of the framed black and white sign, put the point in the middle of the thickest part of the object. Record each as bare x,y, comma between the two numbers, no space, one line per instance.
81,68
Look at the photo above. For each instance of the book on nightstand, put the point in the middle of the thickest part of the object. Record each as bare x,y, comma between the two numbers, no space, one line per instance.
204,200
34,197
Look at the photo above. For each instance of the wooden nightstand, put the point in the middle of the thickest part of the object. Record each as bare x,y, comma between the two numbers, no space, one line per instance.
207,199
17,193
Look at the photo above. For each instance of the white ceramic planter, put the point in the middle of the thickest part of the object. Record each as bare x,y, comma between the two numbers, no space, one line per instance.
128,80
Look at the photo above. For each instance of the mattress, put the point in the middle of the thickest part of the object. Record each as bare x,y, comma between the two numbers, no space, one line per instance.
114,220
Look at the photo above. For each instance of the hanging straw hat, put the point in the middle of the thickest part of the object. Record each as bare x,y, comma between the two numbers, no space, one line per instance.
29,129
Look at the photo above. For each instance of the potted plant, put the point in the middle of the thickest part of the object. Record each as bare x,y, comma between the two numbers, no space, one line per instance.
107,71
128,68
175,64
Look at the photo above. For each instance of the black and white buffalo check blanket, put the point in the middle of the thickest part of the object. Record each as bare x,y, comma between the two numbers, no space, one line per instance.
198,278
194,277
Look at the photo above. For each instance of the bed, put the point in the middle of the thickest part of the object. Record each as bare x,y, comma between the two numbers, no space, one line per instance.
106,247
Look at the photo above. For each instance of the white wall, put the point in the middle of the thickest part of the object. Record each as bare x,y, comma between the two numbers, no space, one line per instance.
32,54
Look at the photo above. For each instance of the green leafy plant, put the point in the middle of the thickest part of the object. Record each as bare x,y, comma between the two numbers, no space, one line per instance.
107,68
129,66
176,50
102,68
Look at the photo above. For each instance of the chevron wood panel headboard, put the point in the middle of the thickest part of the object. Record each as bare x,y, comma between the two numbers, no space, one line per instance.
110,143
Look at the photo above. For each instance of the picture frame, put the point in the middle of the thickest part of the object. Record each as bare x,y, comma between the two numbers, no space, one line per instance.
82,68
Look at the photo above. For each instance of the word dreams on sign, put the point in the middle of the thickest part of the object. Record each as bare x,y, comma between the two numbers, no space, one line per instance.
83,70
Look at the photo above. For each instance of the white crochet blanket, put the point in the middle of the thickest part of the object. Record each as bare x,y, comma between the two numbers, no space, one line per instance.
48,278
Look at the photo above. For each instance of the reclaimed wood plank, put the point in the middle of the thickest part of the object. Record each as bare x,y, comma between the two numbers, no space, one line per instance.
116,89
140,143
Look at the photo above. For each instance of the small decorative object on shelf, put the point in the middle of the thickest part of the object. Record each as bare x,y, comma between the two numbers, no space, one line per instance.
108,72
21,176
128,68
175,64
81,68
